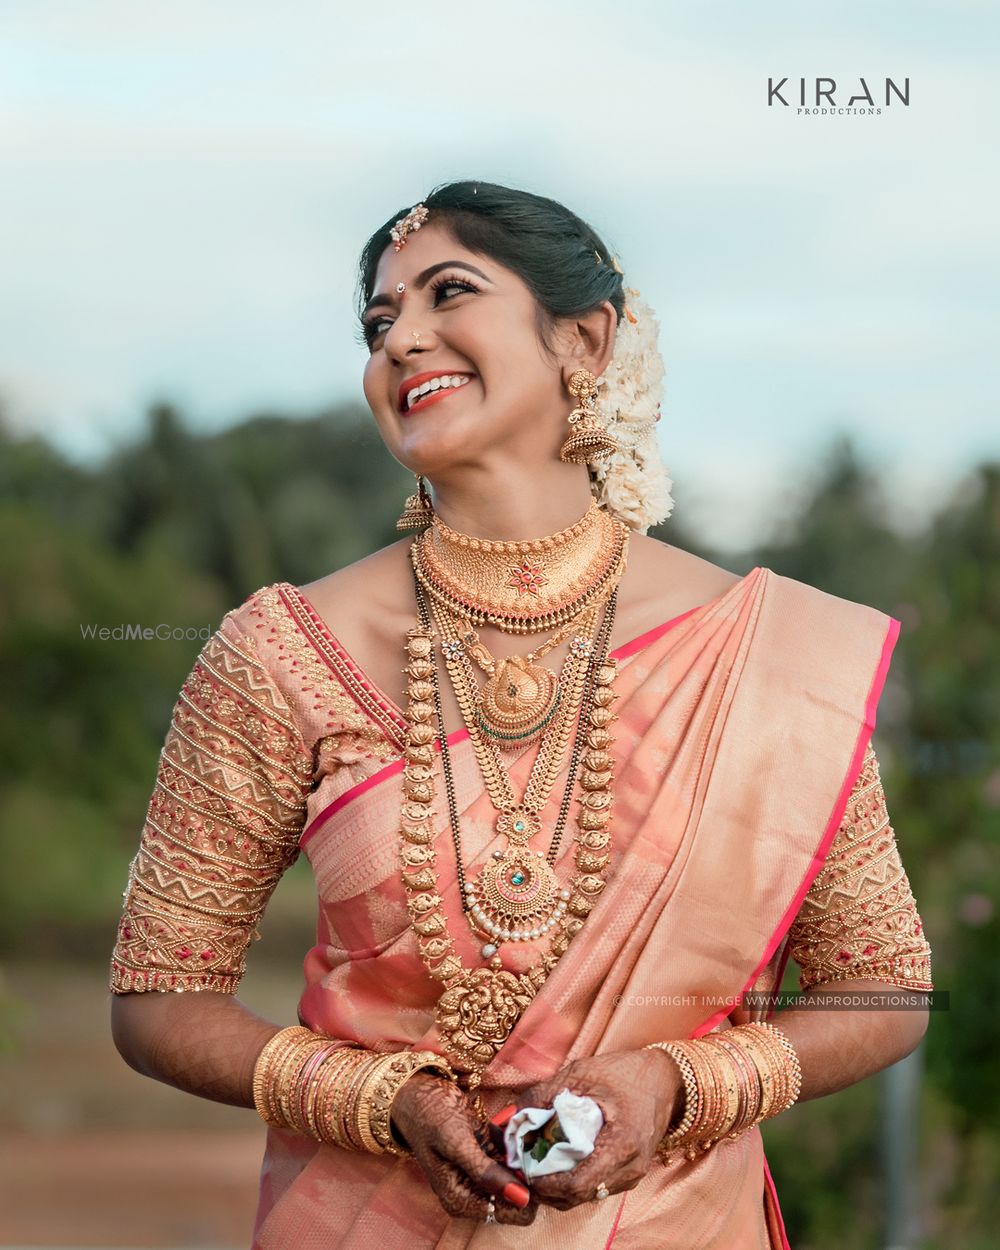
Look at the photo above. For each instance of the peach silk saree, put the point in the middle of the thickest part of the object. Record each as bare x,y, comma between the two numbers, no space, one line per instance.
741,730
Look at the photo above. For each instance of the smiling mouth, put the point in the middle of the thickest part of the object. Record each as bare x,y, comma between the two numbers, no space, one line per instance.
436,388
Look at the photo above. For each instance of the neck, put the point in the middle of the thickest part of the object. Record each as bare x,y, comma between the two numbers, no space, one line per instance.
516,507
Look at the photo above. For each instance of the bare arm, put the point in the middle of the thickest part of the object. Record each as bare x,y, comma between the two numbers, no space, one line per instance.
204,1043
838,1047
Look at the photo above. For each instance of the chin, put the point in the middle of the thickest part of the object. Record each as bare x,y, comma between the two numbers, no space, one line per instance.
435,448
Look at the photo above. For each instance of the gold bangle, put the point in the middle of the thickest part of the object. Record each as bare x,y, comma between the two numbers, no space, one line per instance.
404,1065
349,1105
332,1112
287,1075
779,1079
324,1087
307,1085
750,1091
793,1068
676,1136
363,1110
275,1049
709,1119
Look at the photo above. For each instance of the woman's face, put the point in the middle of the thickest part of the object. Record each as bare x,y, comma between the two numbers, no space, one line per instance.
476,322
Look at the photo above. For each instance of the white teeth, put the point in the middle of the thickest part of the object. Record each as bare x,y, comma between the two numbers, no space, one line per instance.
417,393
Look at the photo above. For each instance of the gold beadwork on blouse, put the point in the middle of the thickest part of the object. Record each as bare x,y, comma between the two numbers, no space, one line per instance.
222,826
859,919
324,669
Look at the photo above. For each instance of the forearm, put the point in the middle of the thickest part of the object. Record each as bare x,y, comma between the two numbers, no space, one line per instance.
839,1046
204,1043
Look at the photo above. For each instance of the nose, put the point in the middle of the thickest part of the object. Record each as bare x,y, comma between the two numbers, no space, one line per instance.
406,336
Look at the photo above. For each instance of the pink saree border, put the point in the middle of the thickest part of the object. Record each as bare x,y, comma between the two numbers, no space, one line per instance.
864,736
618,1216
356,791
650,636
769,1183
839,807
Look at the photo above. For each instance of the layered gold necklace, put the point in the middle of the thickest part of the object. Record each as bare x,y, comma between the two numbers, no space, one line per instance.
521,588
516,896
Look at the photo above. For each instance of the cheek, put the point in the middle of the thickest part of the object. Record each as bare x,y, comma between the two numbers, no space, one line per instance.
370,381
374,384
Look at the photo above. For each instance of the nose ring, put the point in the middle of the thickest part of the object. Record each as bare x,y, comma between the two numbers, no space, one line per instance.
416,336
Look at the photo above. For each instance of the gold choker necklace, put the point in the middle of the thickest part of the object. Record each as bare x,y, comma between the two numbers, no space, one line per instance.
522,587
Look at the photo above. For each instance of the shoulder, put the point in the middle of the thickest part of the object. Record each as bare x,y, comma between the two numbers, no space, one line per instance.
380,584
376,580
663,581
663,560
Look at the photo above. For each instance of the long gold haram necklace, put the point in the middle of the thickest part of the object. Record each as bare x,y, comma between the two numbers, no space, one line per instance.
517,897
479,1007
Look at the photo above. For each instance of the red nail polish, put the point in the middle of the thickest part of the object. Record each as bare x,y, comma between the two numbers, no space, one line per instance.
516,1194
501,1117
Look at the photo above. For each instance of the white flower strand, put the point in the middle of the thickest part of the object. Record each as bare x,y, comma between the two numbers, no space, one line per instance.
633,484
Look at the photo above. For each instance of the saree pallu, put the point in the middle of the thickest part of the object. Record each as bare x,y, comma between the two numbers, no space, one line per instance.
741,728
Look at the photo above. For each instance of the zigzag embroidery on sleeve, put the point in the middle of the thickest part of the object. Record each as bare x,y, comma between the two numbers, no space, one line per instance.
859,919
223,823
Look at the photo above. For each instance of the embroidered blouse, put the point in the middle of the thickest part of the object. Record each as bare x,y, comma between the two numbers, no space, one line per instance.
236,779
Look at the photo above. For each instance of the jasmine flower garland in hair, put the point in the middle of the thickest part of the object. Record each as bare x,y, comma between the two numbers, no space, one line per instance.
633,483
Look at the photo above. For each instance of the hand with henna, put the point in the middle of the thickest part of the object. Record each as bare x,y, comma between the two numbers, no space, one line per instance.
434,1117
639,1092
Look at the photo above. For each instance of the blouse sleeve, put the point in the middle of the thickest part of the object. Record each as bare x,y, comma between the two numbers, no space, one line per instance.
859,919
222,826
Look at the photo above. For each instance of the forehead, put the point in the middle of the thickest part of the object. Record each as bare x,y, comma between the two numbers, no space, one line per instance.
430,245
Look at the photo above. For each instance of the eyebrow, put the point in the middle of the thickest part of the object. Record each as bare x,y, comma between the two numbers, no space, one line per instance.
421,280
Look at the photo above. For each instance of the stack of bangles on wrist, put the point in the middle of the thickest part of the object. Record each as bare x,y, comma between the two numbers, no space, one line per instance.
339,1094
732,1081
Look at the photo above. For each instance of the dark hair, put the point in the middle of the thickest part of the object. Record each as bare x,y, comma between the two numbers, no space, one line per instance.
563,262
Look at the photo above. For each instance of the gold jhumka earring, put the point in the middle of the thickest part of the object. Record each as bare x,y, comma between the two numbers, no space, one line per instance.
588,439
418,511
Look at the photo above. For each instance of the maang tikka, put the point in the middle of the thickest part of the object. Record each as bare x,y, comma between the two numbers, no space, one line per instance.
588,439
412,222
418,512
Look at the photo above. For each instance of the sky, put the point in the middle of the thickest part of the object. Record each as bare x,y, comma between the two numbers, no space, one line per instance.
186,189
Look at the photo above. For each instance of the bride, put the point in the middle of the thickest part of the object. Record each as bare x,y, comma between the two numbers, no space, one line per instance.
569,794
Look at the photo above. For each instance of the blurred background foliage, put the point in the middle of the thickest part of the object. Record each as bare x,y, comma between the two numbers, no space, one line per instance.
180,527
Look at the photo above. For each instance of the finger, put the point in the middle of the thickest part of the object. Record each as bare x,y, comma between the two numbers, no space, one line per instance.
484,1172
617,1169
461,1195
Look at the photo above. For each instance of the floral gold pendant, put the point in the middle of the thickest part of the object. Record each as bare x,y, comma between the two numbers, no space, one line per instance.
516,898
518,700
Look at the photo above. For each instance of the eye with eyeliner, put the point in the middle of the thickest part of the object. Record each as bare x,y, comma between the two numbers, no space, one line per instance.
371,326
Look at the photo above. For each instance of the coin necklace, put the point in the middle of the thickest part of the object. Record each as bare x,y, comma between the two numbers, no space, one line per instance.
479,1007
